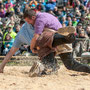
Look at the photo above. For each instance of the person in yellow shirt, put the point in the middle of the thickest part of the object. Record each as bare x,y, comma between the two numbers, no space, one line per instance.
11,32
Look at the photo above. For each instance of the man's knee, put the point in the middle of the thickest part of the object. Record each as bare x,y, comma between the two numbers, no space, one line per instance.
67,60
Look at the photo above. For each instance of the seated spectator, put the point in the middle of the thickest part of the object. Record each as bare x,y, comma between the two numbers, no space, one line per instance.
85,2
88,5
60,15
77,12
88,30
33,3
12,19
22,22
84,21
65,2
11,8
70,12
81,45
12,23
8,4
56,12
70,2
0,22
1,39
2,13
78,29
64,11
26,7
13,1
50,5
44,2
51,12
17,8
78,4
8,44
70,23
69,19
17,28
3,27
40,7
1,3
2,6
87,14
83,34
64,21
11,32
83,11
15,18
24,48
74,22
9,12
63,25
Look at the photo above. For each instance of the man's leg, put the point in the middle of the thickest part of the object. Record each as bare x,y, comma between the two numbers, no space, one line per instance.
59,39
50,63
68,59
72,64
64,36
47,66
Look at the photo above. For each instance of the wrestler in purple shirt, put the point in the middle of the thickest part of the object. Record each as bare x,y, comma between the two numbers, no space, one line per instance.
46,20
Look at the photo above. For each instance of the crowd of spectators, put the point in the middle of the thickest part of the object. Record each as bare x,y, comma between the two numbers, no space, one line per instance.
71,13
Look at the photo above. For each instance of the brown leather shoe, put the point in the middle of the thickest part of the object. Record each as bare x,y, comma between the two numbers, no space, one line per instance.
66,30
36,69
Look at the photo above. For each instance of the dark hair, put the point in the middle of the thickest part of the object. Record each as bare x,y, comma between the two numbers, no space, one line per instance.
22,22
29,13
6,36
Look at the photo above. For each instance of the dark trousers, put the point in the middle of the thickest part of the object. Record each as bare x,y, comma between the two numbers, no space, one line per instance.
71,64
58,39
66,58
50,62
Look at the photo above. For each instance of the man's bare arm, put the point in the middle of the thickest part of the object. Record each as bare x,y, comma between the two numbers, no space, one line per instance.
33,42
7,58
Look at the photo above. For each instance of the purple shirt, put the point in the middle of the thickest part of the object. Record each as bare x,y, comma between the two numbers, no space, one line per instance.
46,20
